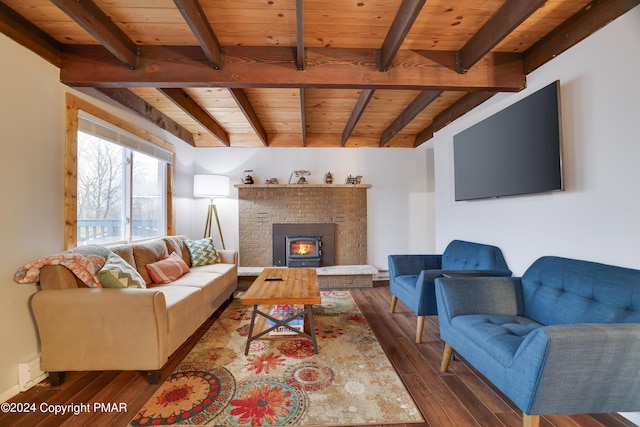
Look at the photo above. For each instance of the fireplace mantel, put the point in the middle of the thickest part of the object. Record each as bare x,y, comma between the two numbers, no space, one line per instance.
302,185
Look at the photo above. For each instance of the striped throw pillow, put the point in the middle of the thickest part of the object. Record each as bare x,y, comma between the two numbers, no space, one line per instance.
167,270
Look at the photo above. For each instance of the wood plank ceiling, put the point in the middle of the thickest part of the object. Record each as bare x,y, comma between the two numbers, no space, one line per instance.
301,73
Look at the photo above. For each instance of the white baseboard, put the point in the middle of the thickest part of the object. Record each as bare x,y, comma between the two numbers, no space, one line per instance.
634,417
30,374
8,394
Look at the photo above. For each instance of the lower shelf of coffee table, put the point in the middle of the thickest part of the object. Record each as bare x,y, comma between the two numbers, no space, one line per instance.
262,325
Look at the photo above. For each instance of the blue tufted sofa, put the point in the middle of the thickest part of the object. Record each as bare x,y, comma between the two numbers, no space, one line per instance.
562,339
411,276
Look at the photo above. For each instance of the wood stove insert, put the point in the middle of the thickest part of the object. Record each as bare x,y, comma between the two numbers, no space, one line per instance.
303,245
304,251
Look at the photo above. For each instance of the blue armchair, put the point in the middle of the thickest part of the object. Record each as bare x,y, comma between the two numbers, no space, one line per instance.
411,277
562,339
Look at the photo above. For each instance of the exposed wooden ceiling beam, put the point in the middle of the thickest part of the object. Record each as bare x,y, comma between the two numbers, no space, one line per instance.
361,105
585,22
460,108
419,103
277,66
504,21
193,13
247,109
28,35
423,136
300,57
131,101
184,66
99,25
197,113
456,110
404,19
303,117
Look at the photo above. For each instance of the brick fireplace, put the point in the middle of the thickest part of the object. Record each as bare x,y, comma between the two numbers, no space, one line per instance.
262,206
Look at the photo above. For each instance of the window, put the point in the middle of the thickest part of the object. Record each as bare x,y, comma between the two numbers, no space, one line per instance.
101,190
120,186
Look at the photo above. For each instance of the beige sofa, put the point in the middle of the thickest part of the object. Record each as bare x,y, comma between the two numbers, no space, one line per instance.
95,329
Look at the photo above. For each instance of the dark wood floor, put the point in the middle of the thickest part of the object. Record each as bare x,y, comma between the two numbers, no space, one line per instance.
461,397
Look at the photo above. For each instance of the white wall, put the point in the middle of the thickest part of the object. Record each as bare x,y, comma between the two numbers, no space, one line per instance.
31,190
597,217
399,202
32,126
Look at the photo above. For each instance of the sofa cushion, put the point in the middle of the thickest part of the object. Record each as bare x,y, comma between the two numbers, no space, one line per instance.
125,252
210,284
167,270
146,253
176,243
501,333
229,272
117,273
202,252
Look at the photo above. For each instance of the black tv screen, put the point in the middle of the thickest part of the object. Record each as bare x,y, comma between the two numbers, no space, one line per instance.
515,151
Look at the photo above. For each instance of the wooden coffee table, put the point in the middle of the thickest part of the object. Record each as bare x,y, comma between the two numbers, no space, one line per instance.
295,286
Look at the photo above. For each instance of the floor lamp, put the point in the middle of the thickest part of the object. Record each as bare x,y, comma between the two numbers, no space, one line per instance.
211,186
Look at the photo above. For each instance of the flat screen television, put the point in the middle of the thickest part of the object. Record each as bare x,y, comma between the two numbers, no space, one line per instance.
516,151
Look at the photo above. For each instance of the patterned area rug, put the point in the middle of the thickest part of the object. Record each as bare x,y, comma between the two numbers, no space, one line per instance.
282,382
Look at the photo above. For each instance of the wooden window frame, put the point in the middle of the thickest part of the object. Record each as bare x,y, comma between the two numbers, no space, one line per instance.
74,106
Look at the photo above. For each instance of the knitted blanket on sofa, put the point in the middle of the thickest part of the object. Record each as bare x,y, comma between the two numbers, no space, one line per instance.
84,262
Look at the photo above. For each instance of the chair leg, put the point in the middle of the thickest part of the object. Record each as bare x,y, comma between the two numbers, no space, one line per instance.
530,420
446,357
419,328
394,301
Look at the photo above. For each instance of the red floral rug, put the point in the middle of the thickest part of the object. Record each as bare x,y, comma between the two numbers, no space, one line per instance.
282,382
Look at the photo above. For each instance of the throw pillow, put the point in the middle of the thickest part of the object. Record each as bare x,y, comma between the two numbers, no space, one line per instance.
167,270
117,273
202,252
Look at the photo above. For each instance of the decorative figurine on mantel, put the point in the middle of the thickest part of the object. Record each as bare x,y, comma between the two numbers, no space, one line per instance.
271,181
354,179
248,177
301,176
328,178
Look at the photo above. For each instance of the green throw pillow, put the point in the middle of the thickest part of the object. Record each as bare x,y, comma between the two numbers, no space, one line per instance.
202,252
117,273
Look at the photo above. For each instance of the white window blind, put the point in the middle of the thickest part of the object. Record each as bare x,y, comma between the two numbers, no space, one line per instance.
101,129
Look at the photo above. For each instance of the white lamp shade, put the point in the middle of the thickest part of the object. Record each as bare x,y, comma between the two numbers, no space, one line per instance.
210,186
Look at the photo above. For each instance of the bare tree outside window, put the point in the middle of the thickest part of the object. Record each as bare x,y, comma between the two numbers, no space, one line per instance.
100,189
147,204
120,192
